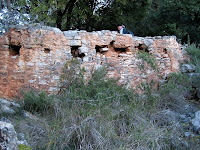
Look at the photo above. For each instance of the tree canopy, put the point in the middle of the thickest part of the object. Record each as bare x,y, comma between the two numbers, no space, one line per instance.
143,17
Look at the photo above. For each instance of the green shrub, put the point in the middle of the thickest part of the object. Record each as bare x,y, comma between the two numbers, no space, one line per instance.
72,75
194,51
100,114
148,58
174,92
37,102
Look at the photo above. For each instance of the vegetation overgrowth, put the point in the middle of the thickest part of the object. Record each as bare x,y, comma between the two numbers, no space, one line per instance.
100,114
194,51
148,58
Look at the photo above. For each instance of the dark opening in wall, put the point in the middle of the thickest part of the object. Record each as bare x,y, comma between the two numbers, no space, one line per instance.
165,50
101,49
142,47
121,50
14,50
47,50
97,49
75,52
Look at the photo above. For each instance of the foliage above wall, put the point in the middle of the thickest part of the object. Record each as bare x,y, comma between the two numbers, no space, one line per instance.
143,17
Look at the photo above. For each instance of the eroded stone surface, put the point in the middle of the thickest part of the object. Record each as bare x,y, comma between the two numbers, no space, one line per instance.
32,56
8,137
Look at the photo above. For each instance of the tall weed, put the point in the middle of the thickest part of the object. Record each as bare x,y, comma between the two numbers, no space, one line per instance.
100,114
148,58
37,102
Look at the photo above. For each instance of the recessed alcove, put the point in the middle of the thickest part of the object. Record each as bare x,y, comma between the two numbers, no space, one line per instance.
142,47
165,50
75,52
121,50
14,50
47,50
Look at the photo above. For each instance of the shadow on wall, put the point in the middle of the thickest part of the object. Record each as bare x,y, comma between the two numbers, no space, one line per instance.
14,50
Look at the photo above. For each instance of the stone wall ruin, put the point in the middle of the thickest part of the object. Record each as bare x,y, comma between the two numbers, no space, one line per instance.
32,56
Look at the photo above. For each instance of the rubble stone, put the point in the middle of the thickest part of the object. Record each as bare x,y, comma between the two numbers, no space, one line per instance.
8,137
187,68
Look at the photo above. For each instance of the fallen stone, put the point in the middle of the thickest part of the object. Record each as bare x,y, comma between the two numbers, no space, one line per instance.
8,107
187,68
5,109
8,137
193,75
4,119
4,102
29,115
188,134
22,140
196,121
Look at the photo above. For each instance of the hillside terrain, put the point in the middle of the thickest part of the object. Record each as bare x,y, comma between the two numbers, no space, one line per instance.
92,110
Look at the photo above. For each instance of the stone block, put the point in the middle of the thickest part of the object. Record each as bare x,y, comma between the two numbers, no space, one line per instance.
4,47
165,56
157,55
85,59
70,33
30,64
105,49
42,82
57,30
196,121
53,89
74,43
83,50
148,42
129,53
123,55
122,42
4,40
32,81
56,77
77,38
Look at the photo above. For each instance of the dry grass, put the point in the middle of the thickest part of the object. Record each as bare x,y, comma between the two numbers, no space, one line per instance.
103,115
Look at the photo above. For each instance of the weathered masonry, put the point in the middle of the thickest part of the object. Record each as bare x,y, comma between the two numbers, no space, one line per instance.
32,56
